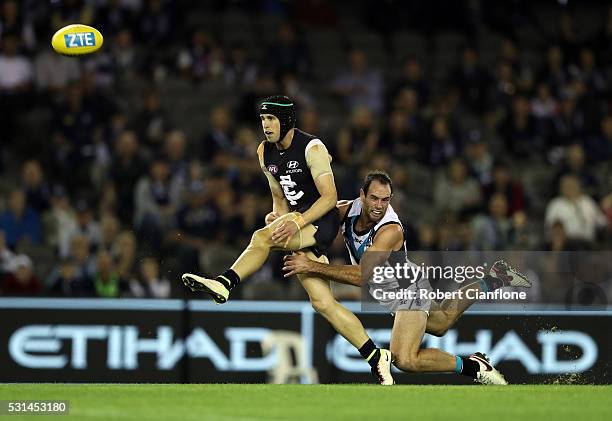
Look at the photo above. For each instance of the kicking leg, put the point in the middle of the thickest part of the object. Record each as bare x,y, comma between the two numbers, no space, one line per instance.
346,323
251,259
444,315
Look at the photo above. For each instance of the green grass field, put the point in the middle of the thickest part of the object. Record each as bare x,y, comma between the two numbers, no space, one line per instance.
319,402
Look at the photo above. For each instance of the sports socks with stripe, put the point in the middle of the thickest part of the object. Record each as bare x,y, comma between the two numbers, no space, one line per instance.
229,279
466,367
370,353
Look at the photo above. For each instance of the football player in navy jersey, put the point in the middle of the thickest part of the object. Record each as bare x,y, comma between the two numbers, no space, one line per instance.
304,217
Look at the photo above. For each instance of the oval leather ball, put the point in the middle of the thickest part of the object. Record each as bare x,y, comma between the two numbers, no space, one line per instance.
77,40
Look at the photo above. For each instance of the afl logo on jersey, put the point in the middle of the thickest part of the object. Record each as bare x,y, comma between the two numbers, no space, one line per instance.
273,169
293,164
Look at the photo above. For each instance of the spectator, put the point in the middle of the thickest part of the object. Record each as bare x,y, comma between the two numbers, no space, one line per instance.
411,78
54,72
62,222
127,60
124,254
599,146
519,130
568,124
156,201
86,224
398,139
19,222
575,165
151,123
6,256
219,139
504,86
149,283
106,280
156,24
68,281
70,11
496,230
502,182
442,145
15,81
80,254
112,17
456,191
202,60
125,170
554,73
479,157
21,280
240,69
175,148
36,188
544,108
288,54
359,85
357,142
109,231
197,223
13,19
472,80
579,213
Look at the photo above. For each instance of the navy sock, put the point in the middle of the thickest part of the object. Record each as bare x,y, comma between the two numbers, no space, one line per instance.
466,367
229,278
370,353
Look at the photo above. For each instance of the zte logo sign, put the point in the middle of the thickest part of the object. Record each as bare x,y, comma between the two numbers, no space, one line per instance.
81,39
44,346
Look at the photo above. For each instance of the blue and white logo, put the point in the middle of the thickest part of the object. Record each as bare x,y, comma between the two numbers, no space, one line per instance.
80,39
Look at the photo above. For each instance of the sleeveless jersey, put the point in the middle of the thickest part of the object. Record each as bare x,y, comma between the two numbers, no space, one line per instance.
290,169
358,242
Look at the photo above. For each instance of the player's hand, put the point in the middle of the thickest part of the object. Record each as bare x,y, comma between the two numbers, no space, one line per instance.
284,232
271,217
297,263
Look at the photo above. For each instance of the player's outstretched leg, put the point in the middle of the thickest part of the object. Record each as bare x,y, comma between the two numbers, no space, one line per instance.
406,337
251,259
444,315
347,324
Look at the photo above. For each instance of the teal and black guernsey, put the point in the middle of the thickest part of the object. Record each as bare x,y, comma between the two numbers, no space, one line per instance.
290,169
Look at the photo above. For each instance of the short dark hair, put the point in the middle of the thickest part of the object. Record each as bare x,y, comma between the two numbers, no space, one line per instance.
381,176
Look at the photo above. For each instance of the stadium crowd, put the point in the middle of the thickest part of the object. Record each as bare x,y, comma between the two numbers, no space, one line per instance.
122,170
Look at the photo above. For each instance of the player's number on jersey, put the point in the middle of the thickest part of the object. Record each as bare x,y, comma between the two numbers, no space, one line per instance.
288,185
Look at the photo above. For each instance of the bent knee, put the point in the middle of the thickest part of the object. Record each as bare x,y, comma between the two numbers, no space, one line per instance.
438,331
261,237
407,361
437,326
323,306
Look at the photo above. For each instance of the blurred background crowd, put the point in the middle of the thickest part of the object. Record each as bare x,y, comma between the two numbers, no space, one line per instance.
121,170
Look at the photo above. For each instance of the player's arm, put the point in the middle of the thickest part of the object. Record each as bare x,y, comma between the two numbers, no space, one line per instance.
319,163
279,203
389,238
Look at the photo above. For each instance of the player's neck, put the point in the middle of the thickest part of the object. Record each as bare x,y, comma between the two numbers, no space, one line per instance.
364,223
286,142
